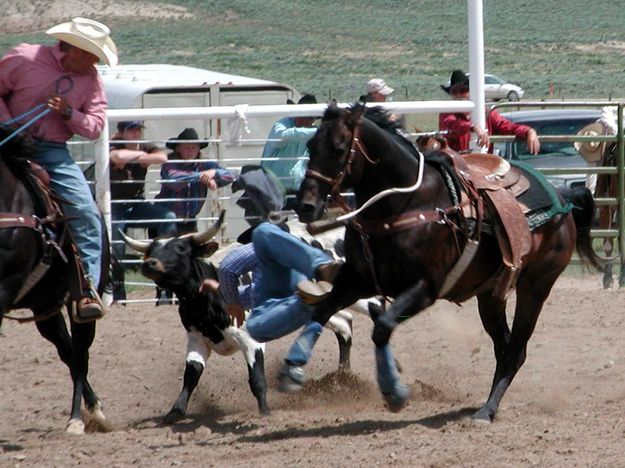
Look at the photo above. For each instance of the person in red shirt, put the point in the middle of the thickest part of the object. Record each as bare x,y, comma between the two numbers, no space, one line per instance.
459,125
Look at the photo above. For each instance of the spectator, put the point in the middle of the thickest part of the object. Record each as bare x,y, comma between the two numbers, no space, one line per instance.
286,143
377,91
189,182
129,166
459,125
64,78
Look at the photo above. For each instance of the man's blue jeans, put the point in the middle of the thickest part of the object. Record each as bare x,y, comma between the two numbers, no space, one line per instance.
284,260
68,181
142,210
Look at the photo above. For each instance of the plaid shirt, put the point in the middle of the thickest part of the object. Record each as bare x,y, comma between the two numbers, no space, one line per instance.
240,261
185,183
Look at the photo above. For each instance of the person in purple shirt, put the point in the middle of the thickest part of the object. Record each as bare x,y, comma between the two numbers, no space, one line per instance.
63,78
186,183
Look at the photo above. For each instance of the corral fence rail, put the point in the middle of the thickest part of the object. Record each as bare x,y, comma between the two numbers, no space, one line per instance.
619,168
233,119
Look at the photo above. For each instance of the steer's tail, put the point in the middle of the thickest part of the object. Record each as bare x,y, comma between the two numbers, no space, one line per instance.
584,216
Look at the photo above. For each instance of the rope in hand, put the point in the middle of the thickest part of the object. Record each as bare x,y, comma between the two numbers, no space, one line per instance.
28,113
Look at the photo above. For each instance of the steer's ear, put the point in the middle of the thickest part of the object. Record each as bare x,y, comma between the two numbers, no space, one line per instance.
208,249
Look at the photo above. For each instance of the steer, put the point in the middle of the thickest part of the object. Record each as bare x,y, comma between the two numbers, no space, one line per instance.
176,264
179,264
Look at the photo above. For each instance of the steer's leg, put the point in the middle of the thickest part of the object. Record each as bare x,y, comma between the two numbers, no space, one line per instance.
254,354
197,354
341,324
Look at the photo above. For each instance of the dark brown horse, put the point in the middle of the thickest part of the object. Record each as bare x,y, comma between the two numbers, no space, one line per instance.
412,264
29,244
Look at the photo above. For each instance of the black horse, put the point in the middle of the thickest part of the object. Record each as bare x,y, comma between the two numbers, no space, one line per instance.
28,244
411,263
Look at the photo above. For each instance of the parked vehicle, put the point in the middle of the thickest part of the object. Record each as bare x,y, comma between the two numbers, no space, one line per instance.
560,154
495,88
174,86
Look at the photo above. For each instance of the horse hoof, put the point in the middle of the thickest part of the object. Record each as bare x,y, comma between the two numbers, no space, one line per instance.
396,401
172,418
75,427
482,417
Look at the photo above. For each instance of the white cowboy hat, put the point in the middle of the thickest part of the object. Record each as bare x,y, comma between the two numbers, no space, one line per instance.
591,151
89,35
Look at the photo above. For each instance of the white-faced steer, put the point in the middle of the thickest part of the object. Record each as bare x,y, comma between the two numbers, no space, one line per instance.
177,264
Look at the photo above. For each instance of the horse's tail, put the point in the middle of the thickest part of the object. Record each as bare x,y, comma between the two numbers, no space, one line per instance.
584,217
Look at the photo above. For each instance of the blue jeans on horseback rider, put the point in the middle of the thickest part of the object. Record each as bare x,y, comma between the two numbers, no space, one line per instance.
63,81
68,182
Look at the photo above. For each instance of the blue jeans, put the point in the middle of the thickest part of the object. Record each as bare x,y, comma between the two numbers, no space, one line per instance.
121,212
283,261
68,181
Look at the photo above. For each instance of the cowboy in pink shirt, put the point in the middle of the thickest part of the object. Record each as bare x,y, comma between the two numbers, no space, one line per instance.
63,77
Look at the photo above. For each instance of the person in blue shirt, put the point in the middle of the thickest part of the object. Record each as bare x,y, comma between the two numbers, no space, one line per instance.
186,183
286,143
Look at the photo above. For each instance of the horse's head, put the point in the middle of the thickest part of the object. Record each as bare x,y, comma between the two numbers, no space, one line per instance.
331,158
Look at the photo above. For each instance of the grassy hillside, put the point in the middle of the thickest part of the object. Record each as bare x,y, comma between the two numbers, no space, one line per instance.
332,48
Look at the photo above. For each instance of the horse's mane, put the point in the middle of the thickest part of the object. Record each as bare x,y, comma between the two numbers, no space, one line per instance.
382,118
16,152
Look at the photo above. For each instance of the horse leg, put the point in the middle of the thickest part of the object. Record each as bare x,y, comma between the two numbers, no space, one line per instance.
83,335
605,221
608,280
54,330
408,304
493,316
511,347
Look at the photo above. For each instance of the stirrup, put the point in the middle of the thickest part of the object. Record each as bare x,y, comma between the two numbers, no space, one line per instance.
87,309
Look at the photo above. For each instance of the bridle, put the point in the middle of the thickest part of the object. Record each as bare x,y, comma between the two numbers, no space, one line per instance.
336,183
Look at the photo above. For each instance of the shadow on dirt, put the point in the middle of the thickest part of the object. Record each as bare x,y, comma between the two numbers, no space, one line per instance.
361,427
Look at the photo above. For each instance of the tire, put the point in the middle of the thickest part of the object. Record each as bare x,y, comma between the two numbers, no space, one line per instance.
513,96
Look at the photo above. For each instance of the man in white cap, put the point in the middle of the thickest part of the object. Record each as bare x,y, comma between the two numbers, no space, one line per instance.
377,91
64,78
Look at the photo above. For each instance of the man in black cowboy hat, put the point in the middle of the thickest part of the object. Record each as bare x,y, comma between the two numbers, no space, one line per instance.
286,143
189,179
459,125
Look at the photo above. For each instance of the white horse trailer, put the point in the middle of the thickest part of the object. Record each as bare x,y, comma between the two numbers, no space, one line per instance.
173,86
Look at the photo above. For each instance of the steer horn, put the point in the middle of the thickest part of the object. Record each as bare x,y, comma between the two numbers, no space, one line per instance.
139,246
203,237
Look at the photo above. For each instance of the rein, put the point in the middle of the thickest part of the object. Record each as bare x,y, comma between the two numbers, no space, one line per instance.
335,183
45,112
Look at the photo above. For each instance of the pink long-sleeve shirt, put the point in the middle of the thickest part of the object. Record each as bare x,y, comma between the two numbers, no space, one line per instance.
28,75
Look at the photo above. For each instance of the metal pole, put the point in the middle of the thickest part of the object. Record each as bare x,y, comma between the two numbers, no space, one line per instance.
102,177
476,60
621,182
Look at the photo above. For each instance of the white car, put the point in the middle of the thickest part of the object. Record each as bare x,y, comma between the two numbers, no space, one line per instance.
495,88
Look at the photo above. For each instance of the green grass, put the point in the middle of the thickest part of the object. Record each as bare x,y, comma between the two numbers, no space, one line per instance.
332,48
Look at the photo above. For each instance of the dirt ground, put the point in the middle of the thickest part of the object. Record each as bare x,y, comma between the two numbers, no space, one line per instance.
565,408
